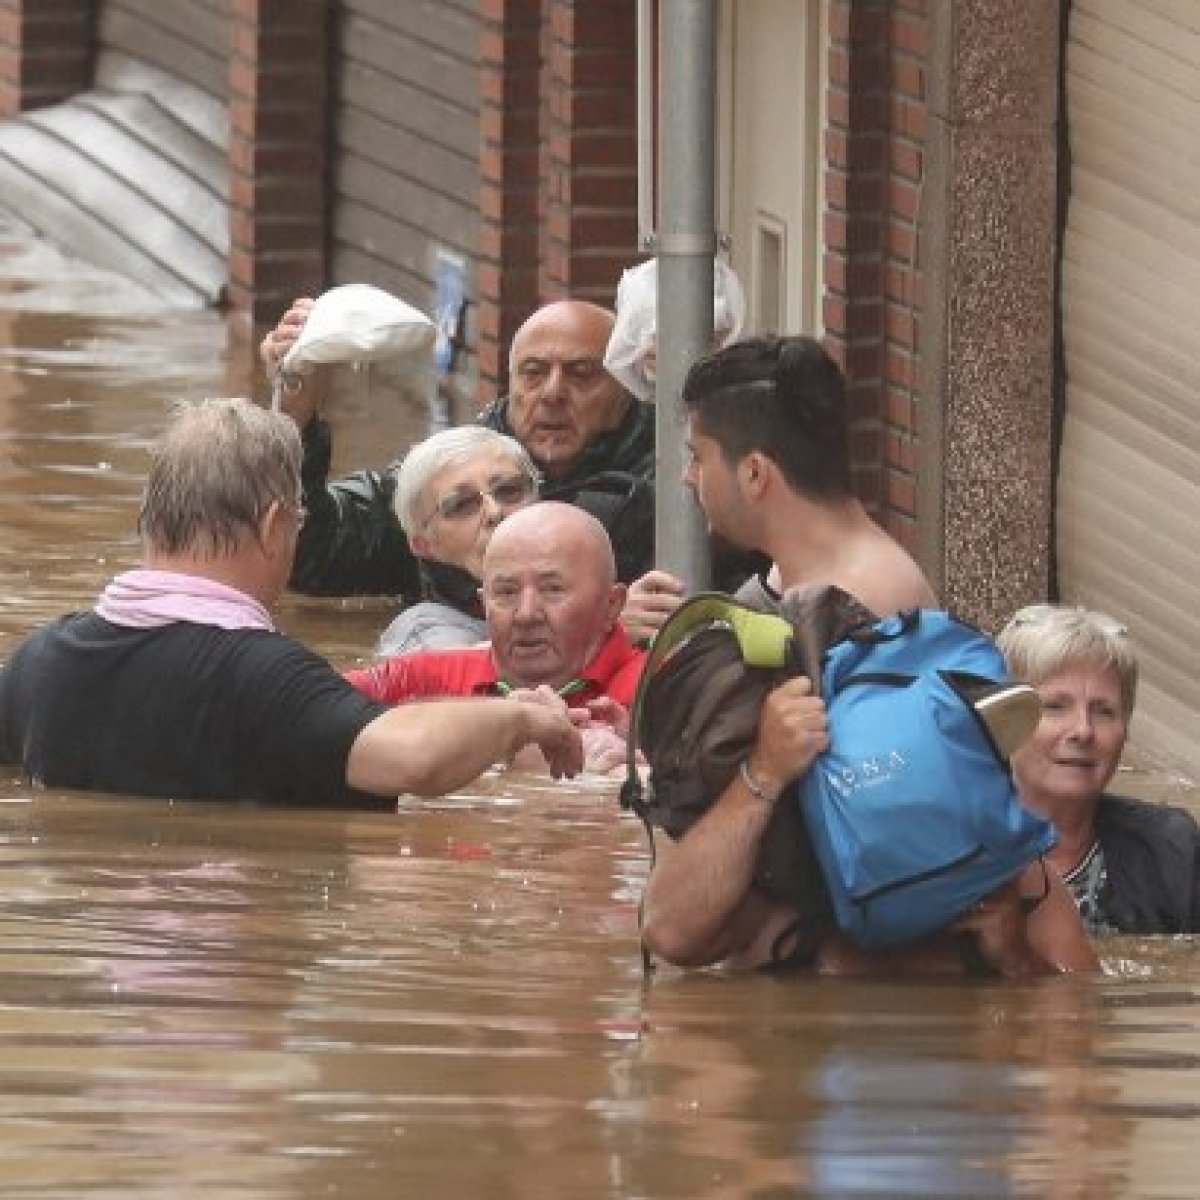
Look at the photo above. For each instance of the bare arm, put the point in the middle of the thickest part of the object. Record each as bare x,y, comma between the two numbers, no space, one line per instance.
1054,929
699,906
434,747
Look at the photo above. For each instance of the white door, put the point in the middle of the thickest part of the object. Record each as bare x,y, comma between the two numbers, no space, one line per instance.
769,152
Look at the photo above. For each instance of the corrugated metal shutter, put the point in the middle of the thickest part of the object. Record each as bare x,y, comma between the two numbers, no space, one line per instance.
1128,528
189,39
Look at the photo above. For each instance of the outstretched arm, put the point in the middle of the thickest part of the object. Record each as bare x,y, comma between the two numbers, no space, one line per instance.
433,747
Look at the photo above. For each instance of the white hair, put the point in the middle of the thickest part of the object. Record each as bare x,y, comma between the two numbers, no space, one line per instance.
449,447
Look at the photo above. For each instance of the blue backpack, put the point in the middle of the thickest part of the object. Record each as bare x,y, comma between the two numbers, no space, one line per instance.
910,816
912,812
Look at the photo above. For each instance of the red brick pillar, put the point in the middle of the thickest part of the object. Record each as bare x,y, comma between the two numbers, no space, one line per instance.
874,171
278,100
46,49
589,156
507,280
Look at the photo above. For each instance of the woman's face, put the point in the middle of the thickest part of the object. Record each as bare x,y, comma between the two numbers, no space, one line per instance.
1077,745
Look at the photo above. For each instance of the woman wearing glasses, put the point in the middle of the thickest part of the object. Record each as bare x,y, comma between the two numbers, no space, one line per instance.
1131,866
452,490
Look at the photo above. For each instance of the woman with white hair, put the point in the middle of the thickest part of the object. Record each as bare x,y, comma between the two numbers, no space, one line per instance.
452,490
1132,866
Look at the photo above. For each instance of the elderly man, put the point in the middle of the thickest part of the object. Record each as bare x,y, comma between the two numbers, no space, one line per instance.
452,490
178,685
592,442
553,604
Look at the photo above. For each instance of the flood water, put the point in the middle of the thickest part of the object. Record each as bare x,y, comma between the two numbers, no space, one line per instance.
208,1000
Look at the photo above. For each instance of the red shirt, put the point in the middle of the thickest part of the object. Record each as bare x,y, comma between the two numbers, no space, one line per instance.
614,671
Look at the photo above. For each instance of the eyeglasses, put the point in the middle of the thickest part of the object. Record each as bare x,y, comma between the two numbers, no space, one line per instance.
464,503
1037,614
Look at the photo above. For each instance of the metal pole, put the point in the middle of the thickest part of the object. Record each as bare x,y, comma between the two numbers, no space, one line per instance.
686,244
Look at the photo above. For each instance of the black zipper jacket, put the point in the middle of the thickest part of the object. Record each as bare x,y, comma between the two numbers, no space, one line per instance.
352,543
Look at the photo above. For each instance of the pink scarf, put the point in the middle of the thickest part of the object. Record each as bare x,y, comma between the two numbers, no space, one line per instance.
144,599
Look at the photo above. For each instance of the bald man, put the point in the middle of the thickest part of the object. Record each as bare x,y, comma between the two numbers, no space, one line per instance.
591,440
553,604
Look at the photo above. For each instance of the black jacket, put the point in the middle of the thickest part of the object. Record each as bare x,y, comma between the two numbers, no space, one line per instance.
352,543
1152,859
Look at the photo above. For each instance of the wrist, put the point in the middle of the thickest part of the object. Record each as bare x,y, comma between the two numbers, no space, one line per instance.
761,785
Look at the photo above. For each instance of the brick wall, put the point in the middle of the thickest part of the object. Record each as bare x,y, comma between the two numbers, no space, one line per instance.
278,89
558,162
588,203
874,161
46,49
507,265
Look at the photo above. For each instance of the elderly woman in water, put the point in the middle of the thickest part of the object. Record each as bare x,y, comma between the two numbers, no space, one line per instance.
1131,866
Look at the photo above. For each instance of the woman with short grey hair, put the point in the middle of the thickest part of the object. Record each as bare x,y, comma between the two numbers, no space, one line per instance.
452,490
1133,867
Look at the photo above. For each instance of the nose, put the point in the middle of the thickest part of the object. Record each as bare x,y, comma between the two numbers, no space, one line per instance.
493,510
529,605
555,387
1081,727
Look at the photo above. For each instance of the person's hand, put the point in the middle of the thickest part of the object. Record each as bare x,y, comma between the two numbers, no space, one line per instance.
792,731
603,711
548,725
651,599
604,749
998,925
299,396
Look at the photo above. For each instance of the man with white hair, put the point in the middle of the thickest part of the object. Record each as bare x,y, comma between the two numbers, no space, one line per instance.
178,684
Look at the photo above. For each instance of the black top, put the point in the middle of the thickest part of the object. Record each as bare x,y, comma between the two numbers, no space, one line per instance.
1152,861
352,542
183,711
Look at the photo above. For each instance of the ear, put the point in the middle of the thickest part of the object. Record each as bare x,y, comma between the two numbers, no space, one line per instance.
270,524
420,545
754,474
615,605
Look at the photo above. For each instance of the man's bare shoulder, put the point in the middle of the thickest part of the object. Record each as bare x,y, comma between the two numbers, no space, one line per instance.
885,577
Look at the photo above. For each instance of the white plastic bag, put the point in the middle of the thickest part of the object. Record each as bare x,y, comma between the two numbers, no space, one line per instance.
631,354
358,323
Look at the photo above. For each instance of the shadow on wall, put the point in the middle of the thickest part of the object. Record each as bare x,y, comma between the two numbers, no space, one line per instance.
132,176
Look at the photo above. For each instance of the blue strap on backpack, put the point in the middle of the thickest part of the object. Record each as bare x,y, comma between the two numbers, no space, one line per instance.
912,811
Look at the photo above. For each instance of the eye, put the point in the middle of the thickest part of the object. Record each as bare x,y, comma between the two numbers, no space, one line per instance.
460,504
511,491
552,593
583,370
533,371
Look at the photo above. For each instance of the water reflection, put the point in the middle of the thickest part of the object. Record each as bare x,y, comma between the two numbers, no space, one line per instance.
448,1000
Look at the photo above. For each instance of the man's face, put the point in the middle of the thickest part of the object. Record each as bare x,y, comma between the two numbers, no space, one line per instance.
715,484
561,395
464,502
548,605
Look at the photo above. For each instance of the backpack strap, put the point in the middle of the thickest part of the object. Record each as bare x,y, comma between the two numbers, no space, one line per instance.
765,640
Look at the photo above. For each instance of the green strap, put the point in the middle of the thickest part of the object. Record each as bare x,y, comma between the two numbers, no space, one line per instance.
765,640
571,688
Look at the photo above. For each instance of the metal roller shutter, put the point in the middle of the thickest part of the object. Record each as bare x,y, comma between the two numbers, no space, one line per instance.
1129,498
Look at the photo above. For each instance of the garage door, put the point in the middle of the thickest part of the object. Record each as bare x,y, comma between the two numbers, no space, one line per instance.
1128,529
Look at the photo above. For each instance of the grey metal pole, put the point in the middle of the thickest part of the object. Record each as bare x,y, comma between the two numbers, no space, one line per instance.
685,247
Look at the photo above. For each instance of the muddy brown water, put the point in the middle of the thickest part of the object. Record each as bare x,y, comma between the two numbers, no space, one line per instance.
205,1000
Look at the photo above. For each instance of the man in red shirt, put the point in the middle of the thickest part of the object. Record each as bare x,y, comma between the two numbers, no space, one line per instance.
553,606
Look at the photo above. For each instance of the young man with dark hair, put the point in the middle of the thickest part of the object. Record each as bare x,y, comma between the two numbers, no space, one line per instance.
768,440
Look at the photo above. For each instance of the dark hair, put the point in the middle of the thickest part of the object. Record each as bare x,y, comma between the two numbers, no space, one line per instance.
782,396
